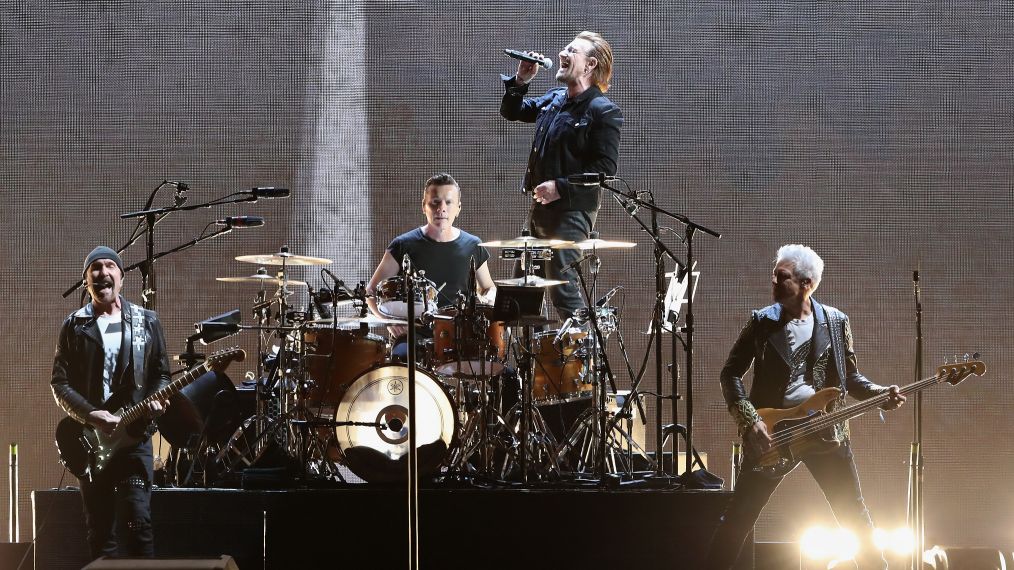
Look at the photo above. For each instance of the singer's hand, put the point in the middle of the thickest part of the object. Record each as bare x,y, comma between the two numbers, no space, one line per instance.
546,192
527,70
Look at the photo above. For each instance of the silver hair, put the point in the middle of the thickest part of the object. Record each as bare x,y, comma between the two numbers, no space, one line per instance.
806,263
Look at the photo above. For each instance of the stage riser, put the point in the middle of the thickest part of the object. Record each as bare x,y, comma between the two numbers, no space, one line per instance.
365,528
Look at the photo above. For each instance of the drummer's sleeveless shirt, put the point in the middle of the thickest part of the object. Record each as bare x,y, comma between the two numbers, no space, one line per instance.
445,263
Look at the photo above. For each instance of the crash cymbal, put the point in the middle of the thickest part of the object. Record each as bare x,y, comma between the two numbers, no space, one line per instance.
283,258
526,241
597,244
261,279
532,281
369,320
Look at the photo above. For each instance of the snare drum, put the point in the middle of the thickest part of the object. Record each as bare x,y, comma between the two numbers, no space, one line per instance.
560,369
393,302
335,357
468,348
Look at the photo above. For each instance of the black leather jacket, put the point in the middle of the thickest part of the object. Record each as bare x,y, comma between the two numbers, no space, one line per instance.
572,136
77,366
758,345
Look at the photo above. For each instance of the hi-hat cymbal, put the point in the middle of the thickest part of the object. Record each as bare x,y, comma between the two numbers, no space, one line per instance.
597,244
526,241
531,281
283,258
369,320
260,279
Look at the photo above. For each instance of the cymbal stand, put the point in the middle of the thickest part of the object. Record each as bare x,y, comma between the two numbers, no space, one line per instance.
536,440
590,434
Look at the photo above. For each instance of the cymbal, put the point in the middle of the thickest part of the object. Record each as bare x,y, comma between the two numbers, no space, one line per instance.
532,281
597,244
286,258
261,279
369,320
526,241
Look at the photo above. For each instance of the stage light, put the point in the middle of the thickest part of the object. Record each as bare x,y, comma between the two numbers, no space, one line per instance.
821,543
898,541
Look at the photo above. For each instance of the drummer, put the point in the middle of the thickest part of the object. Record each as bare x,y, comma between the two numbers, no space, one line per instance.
438,248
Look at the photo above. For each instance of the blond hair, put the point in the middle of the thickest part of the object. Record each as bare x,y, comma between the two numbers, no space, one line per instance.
603,53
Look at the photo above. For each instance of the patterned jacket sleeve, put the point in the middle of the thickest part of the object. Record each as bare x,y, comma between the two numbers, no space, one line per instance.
736,365
858,386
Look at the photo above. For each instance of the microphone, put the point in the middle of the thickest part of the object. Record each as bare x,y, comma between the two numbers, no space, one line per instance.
268,192
241,221
337,281
630,207
180,186
517,54
563,330
606,298
575,263
590,178
180,197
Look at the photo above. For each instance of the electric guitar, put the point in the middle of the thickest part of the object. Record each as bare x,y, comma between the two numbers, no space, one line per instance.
805,428
86,451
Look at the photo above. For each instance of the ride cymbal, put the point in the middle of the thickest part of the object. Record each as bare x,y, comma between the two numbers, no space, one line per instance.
597,244
283,258
532,281
526,241
261,279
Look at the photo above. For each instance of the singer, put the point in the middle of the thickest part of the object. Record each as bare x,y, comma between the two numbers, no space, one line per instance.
577,129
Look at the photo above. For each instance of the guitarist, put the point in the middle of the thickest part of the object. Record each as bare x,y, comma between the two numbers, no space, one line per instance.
796,346
112,353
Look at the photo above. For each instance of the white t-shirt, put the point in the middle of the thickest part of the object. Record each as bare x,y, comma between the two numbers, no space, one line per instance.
111,327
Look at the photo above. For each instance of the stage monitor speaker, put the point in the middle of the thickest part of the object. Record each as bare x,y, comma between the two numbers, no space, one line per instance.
15,555
223,562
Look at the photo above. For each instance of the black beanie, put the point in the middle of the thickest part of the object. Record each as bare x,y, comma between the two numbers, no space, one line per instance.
101,252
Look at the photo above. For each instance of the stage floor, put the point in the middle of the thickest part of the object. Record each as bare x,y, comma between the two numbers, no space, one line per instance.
364,527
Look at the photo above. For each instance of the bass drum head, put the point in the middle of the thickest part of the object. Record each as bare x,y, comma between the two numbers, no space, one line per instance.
381,396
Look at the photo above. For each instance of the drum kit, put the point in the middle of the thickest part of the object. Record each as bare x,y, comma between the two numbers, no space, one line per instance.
332,397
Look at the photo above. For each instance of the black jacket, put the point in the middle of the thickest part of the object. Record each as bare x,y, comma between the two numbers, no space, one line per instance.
757,346
571,137
77,366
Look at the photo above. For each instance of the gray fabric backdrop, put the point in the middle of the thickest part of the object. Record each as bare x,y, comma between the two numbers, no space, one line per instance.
878,133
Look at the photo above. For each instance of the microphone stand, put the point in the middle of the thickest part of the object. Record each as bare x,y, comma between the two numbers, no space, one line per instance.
916,515
151,218
690,229
413,458
147,262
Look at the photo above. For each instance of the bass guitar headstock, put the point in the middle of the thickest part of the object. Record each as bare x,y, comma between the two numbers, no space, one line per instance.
956,371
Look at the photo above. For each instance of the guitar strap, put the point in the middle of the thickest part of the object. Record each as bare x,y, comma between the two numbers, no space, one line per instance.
837,346
139,339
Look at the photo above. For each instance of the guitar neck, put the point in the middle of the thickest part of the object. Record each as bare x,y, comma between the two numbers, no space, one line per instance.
860,408
136,411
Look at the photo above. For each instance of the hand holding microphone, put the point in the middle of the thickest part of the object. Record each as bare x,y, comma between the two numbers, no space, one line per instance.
528,66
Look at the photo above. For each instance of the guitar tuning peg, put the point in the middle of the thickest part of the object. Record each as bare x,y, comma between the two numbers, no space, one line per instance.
966,357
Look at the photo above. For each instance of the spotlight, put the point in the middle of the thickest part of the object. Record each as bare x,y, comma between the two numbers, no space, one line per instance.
821,543
899,541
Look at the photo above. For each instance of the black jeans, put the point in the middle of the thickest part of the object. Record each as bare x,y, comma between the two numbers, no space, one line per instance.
835,473
566,225
117,503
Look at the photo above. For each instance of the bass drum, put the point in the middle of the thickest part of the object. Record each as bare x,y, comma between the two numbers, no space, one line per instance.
381,396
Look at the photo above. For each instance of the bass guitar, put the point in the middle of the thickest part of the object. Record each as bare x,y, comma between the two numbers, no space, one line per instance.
805,428
86,451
